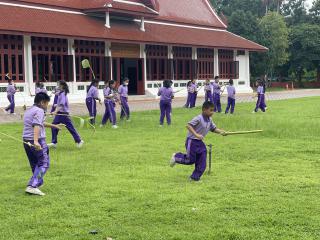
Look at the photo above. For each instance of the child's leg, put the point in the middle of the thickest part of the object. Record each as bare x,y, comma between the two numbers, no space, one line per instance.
201,161
113,116
168,113
32,158
54,138
228,106
42,165
215,102
69,125
218,103
188,158
94,111
162,112
233,104
206,97
258,104
89,104
211,97
262,104
106,114
188,100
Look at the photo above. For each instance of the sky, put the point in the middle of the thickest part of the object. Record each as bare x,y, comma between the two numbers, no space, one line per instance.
309,3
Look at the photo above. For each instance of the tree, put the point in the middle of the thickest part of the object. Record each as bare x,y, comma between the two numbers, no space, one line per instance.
295,12
315,12
305,49
274,35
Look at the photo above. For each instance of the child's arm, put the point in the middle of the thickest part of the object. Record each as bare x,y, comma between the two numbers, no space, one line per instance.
191,129
220,131
36,133
58,126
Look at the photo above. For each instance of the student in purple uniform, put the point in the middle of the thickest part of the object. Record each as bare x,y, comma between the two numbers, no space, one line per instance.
231,97
34,133
62,117
194,93
56,95
260,94
92,96
39,88
187,105
196,154
166,96
216,95
11,91
123,91
110,99
208,91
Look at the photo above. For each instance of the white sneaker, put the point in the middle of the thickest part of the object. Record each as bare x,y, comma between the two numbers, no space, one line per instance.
115,126
173,160
12,113
52,145
34,191
128,120
101,126
79,145
253,112
161,126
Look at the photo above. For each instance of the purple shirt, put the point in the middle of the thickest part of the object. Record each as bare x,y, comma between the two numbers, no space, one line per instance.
107,92
63,102
39,90
201,125
123,91
11,90
216,88
192,88
56,91
34,116
260,90
165,94
93,92
231,92
208,87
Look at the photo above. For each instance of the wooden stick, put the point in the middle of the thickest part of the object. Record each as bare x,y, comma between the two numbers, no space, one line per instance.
244,132
18,140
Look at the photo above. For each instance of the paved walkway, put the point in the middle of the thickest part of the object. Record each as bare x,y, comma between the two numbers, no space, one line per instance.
152,104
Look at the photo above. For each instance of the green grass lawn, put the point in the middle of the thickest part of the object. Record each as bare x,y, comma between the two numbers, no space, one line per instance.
262,187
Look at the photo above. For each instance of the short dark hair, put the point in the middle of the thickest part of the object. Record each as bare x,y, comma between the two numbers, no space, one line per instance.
167,83
231,81
126,79
206,105
111,82
41,97
216,77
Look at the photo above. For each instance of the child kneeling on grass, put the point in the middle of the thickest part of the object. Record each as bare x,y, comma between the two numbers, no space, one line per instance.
34,133
196,149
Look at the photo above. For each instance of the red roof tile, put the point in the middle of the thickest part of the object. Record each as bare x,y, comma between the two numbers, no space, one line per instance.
34,21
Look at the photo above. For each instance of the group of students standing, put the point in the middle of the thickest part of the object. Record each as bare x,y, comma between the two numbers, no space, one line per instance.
213,93
111,97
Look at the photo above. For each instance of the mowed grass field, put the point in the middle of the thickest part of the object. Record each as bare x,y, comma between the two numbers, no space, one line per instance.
264,186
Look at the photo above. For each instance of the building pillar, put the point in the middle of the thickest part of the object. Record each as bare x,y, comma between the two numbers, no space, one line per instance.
72,52
143,56
247,68
107,24
194,63
28,69
170,67
216,62
108,55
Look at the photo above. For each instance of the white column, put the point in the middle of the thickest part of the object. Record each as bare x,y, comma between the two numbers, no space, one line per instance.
216,62
28,69
142,25
143,55
247,68
71,51
107,25
195,57
108,53
170,56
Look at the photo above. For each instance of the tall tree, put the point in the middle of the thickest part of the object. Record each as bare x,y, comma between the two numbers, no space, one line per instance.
305,49
315,12
274,35
295,12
